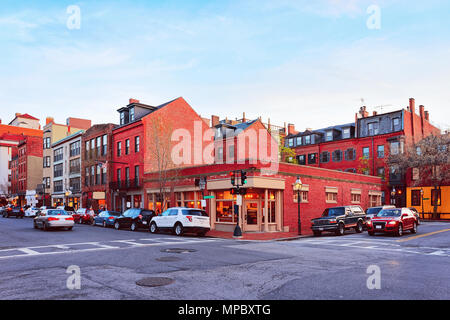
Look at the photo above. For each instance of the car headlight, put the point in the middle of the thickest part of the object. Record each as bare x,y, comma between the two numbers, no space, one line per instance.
392,223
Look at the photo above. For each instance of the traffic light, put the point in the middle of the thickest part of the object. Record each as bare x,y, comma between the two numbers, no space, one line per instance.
243,177
233,178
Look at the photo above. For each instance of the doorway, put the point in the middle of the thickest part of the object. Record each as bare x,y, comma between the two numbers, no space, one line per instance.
251,222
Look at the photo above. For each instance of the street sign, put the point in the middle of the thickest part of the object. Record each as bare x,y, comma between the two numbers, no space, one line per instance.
209,197
239,200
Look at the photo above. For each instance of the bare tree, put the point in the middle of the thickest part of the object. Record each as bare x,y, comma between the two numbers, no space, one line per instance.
430,157
159,160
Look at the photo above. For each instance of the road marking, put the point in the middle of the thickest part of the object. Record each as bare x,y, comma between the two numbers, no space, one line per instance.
423,235
28,251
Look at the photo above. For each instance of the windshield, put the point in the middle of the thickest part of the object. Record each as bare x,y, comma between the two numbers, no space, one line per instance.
56,213
373,211
199,213
333,212
390,213
113,213
131,213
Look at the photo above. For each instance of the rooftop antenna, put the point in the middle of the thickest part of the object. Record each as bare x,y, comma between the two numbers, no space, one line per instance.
382,107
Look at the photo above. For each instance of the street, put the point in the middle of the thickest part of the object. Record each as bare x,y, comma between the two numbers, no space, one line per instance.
33,264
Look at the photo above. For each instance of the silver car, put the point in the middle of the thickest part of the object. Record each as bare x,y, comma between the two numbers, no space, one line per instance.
53,218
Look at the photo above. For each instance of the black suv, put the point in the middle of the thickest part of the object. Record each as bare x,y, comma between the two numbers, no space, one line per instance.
338,219
14,212
134,219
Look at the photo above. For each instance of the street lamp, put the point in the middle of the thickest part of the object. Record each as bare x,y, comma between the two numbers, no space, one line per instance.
421,196
393,195
298,188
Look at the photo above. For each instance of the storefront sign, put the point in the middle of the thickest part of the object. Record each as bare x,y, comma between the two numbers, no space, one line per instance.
98,195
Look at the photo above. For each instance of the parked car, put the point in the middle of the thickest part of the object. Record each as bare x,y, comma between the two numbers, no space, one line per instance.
106,218
31,212
83,215
53,218
416,213
372,212
182,220
134,219
395,221
14,211
339,219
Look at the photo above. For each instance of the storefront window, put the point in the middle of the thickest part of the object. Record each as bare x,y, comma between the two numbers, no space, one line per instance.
225,211
137,201
271,214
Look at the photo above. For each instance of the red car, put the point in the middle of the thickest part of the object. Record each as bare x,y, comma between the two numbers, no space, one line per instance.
395,221
83,215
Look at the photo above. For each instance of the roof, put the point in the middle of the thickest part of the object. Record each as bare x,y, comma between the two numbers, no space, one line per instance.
27,116
74,135
323,130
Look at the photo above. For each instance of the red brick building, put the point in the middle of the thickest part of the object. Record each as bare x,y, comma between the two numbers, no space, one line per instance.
96,171
364,145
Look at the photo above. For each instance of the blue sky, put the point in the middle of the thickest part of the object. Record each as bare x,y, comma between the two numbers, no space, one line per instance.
304,62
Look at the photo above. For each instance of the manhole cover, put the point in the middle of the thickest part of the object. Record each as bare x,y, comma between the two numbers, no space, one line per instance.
168,259
154,282
178,250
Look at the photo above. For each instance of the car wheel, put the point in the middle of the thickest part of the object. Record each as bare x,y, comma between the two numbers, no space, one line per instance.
341,230
117,225
153,228
133,226
104,224
414,228
400,230
317,233
178,229
359,227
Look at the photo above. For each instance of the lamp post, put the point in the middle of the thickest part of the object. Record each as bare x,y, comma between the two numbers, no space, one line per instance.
298,188
393,195
421,197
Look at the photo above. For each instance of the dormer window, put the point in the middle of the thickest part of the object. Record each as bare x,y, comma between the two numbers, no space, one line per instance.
307,139
132,114
329,136
346,133
122,117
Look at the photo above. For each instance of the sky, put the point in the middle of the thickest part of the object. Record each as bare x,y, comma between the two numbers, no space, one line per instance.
303,62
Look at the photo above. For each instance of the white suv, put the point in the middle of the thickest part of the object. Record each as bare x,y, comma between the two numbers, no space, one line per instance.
181,220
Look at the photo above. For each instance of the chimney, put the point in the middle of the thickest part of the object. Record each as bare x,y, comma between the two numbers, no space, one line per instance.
422,111
18,114
291,129
49,120
243,117
214,121
0,121
412,105
427,115
363,112
133,101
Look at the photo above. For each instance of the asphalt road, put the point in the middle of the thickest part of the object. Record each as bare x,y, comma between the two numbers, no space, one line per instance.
34,265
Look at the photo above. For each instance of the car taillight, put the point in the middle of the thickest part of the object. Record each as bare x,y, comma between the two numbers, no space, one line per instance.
140,216
21,210
70,218
189,218
53,219
111,218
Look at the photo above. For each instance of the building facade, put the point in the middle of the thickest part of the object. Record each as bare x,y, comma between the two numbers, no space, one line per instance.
363,146
97,166
66,162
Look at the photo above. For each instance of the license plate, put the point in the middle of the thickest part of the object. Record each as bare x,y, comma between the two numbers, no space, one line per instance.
144,222
320,229
379,227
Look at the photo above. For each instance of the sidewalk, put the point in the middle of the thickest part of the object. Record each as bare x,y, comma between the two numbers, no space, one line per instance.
257,236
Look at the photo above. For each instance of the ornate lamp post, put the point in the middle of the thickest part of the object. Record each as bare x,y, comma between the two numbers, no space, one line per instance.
393,193
298,187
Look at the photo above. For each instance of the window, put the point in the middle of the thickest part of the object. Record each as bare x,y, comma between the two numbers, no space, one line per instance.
307,139
132,114
337,155
230,153
74,166
325,157
99,145
350,154
92,145
219,154
127,146
436,197
299,141
98,175
225,207
92,182
137,143
329,136
46,182
312,158
46,143
303,196
58,155
119,148
301,159
356,198
396,124
331,197
346,133
58,186
58,170
127,176
103,175
75,184
75,149
373,128
374,200
119,177
46,161
122,118
136,175
416,198
104,145
87,150
380,152
366,153
290,142
86,177
381,173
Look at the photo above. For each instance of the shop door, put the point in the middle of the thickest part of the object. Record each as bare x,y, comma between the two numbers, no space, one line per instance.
251,222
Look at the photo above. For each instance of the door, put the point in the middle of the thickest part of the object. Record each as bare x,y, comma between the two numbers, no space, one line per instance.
251,210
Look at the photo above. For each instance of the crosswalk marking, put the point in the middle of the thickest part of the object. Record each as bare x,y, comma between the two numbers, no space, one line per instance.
97,246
